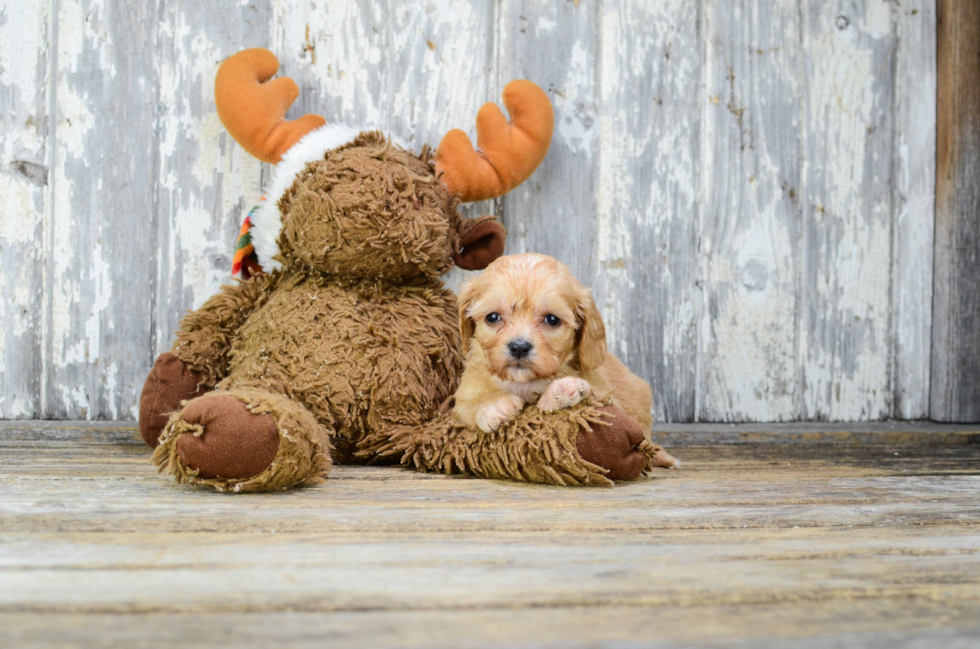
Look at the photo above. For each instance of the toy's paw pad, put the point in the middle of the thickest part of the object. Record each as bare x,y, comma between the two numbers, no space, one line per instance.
614,447
235,444
169,383
494,415
564,393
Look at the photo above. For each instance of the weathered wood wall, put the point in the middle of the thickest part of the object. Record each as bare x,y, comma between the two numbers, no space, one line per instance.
748,184
956,301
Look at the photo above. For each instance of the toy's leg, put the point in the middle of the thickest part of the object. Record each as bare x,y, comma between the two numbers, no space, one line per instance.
586,444
169,383
244,439
621,447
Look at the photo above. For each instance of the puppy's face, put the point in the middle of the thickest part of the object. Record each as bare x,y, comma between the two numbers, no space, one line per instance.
531,317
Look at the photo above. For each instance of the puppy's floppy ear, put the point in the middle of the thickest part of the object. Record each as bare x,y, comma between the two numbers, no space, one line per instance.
592,334
480,241
467,327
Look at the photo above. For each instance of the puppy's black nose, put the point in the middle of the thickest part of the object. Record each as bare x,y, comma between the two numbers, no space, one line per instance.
519,348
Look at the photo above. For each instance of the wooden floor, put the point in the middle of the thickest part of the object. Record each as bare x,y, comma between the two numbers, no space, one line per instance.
786,537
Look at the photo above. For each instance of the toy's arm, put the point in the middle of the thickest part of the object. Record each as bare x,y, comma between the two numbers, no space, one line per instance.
199,358
591,443
205,335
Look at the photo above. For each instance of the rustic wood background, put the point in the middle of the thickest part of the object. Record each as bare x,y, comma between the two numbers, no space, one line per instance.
749,185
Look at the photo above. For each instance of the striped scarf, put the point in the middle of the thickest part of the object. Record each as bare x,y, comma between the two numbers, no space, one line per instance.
246,262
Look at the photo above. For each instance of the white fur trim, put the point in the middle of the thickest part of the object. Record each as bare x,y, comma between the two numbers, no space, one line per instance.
267,221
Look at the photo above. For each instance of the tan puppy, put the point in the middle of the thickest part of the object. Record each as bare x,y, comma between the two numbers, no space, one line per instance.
532,334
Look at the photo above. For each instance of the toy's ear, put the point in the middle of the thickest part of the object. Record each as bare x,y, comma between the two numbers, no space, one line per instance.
480,242
466,325
592,335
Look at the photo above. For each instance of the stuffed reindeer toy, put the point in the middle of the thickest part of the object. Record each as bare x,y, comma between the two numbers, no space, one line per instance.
343,345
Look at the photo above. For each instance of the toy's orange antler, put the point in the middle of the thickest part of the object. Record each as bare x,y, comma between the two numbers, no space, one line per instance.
252,108
507,153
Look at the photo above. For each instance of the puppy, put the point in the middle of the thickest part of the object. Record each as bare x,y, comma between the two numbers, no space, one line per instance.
532,334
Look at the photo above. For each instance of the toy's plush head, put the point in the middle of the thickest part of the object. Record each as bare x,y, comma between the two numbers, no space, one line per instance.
369,209
356,205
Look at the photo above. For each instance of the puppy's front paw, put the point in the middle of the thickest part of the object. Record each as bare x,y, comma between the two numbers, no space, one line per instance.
494,415
564,393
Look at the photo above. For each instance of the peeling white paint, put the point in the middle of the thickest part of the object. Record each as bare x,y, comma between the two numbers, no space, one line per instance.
647,194
22,174
574,112
435,54
66,289
912,254
348,41
614,187
199,160
82,27
3,361
110,383
847,356
544,25
21,34
750,151
75,400
736,301
17,218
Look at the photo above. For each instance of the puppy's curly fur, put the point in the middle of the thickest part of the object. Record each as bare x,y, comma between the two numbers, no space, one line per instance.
532,334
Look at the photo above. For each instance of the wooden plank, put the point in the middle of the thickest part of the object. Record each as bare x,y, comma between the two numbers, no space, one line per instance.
441,58
204,181
141,551
803,625
441,61
730,461
649,122
357,585
216,573
847,481
778,488
99,240
556,45
847,210
956,302
338,54
24,55
749,229
892,434
122,435
745,546
913,208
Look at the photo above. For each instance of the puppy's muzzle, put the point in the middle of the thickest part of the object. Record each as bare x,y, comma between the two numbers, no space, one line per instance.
519,348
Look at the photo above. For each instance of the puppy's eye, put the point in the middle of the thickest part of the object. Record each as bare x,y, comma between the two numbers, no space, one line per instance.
552,320
493,318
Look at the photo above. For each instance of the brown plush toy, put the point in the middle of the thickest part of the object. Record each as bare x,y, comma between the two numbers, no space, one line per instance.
346,347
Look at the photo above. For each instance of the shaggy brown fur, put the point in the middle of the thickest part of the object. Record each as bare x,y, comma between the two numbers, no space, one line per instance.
303,455
354,342
370,210
534,447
